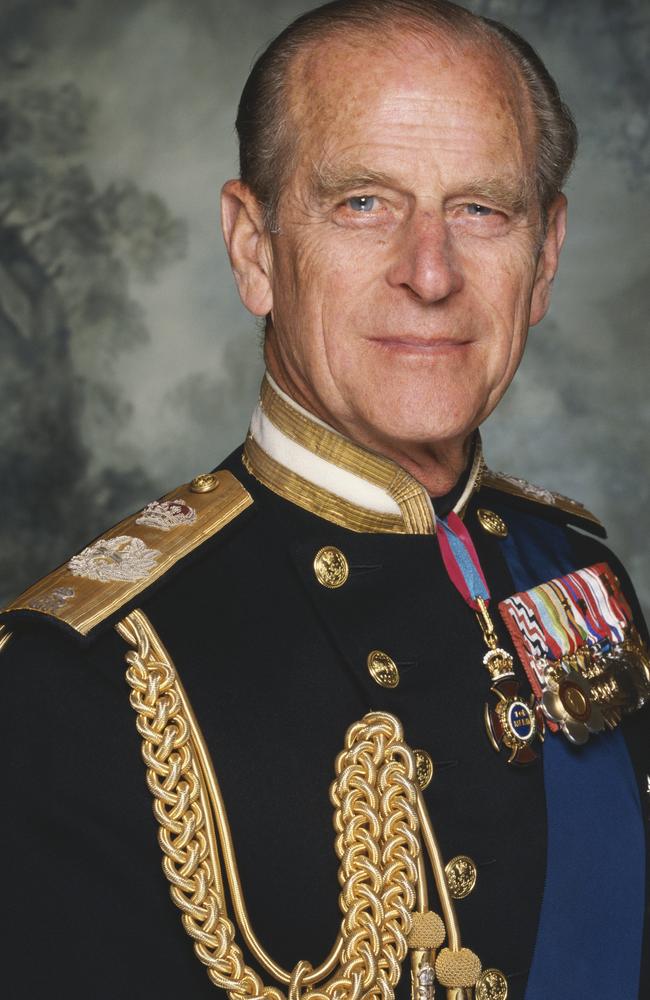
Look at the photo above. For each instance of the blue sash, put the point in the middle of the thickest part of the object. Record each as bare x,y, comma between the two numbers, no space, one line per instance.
589,938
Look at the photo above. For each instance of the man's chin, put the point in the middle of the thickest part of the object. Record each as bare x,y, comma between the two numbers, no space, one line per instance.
409,436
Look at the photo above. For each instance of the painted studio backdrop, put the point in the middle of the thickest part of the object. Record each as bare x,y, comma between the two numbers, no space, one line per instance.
127,362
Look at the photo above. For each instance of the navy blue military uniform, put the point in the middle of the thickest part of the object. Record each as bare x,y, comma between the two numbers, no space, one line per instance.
275,667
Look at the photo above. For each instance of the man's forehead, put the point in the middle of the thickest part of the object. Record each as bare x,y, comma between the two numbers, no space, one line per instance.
351,83
363,108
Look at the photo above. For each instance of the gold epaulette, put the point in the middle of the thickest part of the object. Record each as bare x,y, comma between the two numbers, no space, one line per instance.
128,558
513,486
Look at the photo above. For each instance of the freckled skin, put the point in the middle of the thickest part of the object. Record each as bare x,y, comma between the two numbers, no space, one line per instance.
401,319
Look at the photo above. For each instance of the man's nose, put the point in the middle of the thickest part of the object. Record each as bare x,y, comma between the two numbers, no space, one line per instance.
425,262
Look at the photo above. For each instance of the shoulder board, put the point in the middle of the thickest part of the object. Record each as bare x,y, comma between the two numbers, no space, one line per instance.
574,511
128,558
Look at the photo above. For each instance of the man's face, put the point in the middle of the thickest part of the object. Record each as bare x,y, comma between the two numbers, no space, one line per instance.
404,269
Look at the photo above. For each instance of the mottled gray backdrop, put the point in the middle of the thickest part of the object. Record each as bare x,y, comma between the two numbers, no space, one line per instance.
128,364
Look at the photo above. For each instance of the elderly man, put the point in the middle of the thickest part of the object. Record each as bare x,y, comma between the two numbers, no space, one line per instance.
353,597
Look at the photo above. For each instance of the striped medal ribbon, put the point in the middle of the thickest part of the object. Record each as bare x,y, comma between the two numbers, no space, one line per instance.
584,659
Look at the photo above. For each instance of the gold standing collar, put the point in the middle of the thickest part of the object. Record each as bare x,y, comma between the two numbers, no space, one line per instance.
401,504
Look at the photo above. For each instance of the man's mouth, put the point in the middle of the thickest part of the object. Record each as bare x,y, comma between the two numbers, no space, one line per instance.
420,345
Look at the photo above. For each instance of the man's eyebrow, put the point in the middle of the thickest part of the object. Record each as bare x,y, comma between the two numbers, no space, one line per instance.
328,181
514,193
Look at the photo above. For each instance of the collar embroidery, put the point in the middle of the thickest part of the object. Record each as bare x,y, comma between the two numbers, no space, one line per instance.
299,457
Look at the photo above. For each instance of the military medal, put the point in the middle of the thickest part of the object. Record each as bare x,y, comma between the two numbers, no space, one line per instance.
511,722
514,724
585,661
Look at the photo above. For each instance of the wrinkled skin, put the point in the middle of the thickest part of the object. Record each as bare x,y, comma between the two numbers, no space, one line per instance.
409,259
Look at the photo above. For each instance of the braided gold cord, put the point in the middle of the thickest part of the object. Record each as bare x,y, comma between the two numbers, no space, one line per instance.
376,820
174,782
377,844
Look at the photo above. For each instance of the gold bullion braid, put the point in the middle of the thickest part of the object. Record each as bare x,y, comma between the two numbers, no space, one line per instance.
375,797
174,781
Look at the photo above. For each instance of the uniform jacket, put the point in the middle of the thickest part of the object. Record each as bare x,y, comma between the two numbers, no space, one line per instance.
275,666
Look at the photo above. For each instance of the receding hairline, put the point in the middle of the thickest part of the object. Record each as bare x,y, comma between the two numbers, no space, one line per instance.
268,139
453,39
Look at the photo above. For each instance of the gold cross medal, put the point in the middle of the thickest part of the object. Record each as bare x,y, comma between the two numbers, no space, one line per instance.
512,723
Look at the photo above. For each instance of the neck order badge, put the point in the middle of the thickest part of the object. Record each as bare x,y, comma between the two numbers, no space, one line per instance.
511,723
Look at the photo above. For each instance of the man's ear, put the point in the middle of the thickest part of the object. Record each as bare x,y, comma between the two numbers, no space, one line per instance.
548,260
248,245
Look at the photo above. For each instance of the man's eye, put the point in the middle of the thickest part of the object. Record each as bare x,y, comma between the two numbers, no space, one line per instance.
362,203
474,209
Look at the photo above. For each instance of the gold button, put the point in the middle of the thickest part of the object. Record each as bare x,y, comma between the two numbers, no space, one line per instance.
331,567
204,483
461,876
491,985
492,523
423,768
382,669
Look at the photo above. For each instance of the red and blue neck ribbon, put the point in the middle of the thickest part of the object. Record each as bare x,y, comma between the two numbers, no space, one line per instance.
461,560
